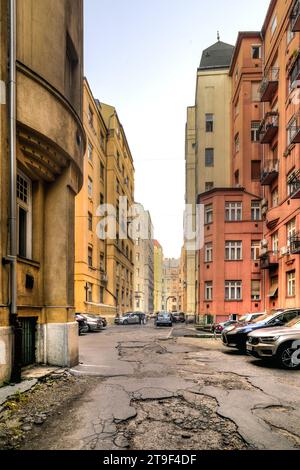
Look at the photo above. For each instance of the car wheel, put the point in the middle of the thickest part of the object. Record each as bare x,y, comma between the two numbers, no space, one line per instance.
125,322
285,357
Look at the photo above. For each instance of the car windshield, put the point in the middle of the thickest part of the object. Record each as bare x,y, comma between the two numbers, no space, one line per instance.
295,323
263,318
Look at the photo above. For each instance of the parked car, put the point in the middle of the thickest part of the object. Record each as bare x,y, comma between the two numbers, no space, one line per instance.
94,322
219,327
178,317
236,337
164,319
130,318
281,344
82,324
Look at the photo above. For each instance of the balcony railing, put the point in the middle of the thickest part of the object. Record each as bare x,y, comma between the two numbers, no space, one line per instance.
269,85
294,185
295,17
270,172
269,128
295,244
269,260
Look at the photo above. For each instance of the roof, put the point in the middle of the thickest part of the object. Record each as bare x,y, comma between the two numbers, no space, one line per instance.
242,35
217,56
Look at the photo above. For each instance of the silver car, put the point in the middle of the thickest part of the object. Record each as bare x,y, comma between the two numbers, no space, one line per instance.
280,343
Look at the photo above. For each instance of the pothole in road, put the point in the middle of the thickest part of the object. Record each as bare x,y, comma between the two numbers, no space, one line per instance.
188,422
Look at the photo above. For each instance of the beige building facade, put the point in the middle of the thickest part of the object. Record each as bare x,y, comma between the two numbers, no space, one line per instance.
144,267
50,143
208,146
171,286
158,276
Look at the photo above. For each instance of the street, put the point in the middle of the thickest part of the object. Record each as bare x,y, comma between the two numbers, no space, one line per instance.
138,387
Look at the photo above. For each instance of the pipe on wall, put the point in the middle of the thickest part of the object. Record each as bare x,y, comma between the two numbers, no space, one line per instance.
17,331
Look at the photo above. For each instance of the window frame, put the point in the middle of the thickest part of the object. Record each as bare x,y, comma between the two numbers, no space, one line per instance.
233,250
26,206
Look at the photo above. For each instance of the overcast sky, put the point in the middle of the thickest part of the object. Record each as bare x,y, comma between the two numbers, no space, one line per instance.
142,56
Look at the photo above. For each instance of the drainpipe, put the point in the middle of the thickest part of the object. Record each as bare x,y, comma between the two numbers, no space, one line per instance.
17,331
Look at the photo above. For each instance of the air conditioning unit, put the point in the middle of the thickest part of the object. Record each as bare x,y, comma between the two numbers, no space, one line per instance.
285,251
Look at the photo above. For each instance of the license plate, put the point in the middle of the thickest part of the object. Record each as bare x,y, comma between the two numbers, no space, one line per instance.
250,348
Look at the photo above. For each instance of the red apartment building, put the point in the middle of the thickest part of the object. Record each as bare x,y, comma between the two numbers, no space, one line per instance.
280,138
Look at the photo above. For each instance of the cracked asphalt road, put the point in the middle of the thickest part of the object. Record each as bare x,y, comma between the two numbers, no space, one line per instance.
153,390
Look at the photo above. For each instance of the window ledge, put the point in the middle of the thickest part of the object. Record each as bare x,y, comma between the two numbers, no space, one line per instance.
29,262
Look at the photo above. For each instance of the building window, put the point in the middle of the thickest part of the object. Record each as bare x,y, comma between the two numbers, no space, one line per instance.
209,120
102,171
275,243
102,140
208,252
208,291
255,170
273,25
102,262
90,152
89,292
237,143
291,283
209,214
255,125
292,130
290,34
292,181
255,290
291,231
90,257
237,178
90,221
209,157
24,214
101,295
90,187
255,210
209,186
233,290
233,211
256,52
275,198
101,199
233,251
255,250
91,117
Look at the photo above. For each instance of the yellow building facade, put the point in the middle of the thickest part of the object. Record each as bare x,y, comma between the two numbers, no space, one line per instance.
91,277
120,253
50,143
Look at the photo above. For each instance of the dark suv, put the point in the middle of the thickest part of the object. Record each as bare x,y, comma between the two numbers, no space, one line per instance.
236,337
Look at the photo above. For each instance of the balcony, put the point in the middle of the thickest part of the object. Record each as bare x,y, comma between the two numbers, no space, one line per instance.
295,244
269,260
294,185
269,128
270,172
269,85
295,17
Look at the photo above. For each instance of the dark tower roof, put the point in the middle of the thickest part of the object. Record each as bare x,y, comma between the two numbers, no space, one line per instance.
217,56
